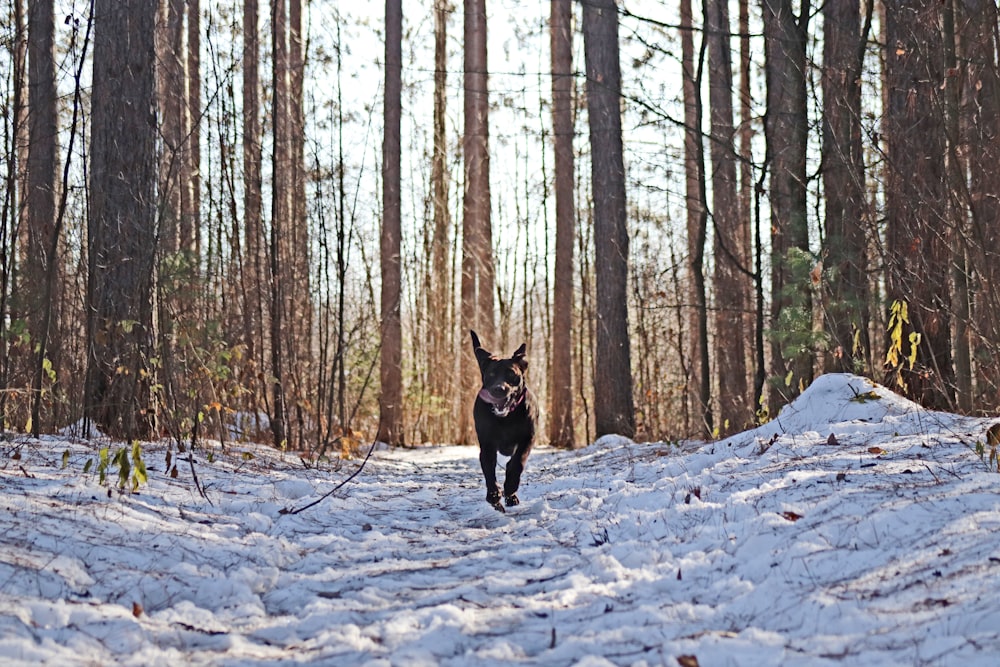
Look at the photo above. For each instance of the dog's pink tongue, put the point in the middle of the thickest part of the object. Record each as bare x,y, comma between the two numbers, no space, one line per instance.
486,396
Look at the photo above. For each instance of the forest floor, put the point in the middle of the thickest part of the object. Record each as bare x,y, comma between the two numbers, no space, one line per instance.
856,528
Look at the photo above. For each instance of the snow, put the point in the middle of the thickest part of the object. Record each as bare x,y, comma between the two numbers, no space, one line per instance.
779,546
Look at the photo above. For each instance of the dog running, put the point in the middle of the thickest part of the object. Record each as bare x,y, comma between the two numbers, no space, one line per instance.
504,414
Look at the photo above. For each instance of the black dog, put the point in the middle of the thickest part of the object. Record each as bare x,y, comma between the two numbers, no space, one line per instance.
504,414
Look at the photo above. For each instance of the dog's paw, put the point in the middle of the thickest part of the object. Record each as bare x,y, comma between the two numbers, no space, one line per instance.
512,500
493,498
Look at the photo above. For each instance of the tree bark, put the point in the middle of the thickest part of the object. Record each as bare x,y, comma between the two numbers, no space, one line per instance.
699,381
918,229
980,113
172,99
254,270
614,409
561,383
280,227
121,231
391,368
845,285
40,290
299,249
957,211
731,255
439,298
190,236
785,131
11,216
478,282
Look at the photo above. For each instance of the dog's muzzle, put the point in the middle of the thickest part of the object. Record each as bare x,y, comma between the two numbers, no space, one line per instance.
502,406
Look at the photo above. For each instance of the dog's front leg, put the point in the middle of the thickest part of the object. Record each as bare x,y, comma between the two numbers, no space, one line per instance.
488,461
512,480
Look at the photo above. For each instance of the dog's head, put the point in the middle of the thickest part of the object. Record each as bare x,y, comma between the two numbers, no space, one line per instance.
503,379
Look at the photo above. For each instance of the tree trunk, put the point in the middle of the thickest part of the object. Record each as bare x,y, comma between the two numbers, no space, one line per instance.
254,271
845,285
560,381
699,380
980,115
439,298
391,398
478,283
918,229
173,169
731,255
40,283
191,177
15,141
121,231
300,337
280,226
957,211
746,134
172,114
785,131
614,409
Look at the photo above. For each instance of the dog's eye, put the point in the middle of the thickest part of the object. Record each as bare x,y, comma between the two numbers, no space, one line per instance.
511,377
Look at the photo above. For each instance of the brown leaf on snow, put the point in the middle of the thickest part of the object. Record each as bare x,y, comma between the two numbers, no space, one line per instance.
876,450
687,661
791,516
136,609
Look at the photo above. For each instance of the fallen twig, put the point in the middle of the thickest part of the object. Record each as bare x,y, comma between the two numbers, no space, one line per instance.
194,475
339,486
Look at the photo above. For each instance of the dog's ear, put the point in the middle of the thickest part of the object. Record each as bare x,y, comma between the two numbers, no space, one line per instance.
518,357
482,356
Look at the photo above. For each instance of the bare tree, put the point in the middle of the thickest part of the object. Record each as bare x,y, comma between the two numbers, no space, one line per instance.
291,307
172,98
845,294
254,267
440,285
175,263
299,300
11,215
40,284
785,130
730,248
191,177
391,397
918,227
957,213
699,381
560,380
478,277
281,212
614,406
980,113
121,232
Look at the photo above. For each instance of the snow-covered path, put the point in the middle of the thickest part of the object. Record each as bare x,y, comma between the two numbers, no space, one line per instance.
879,545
